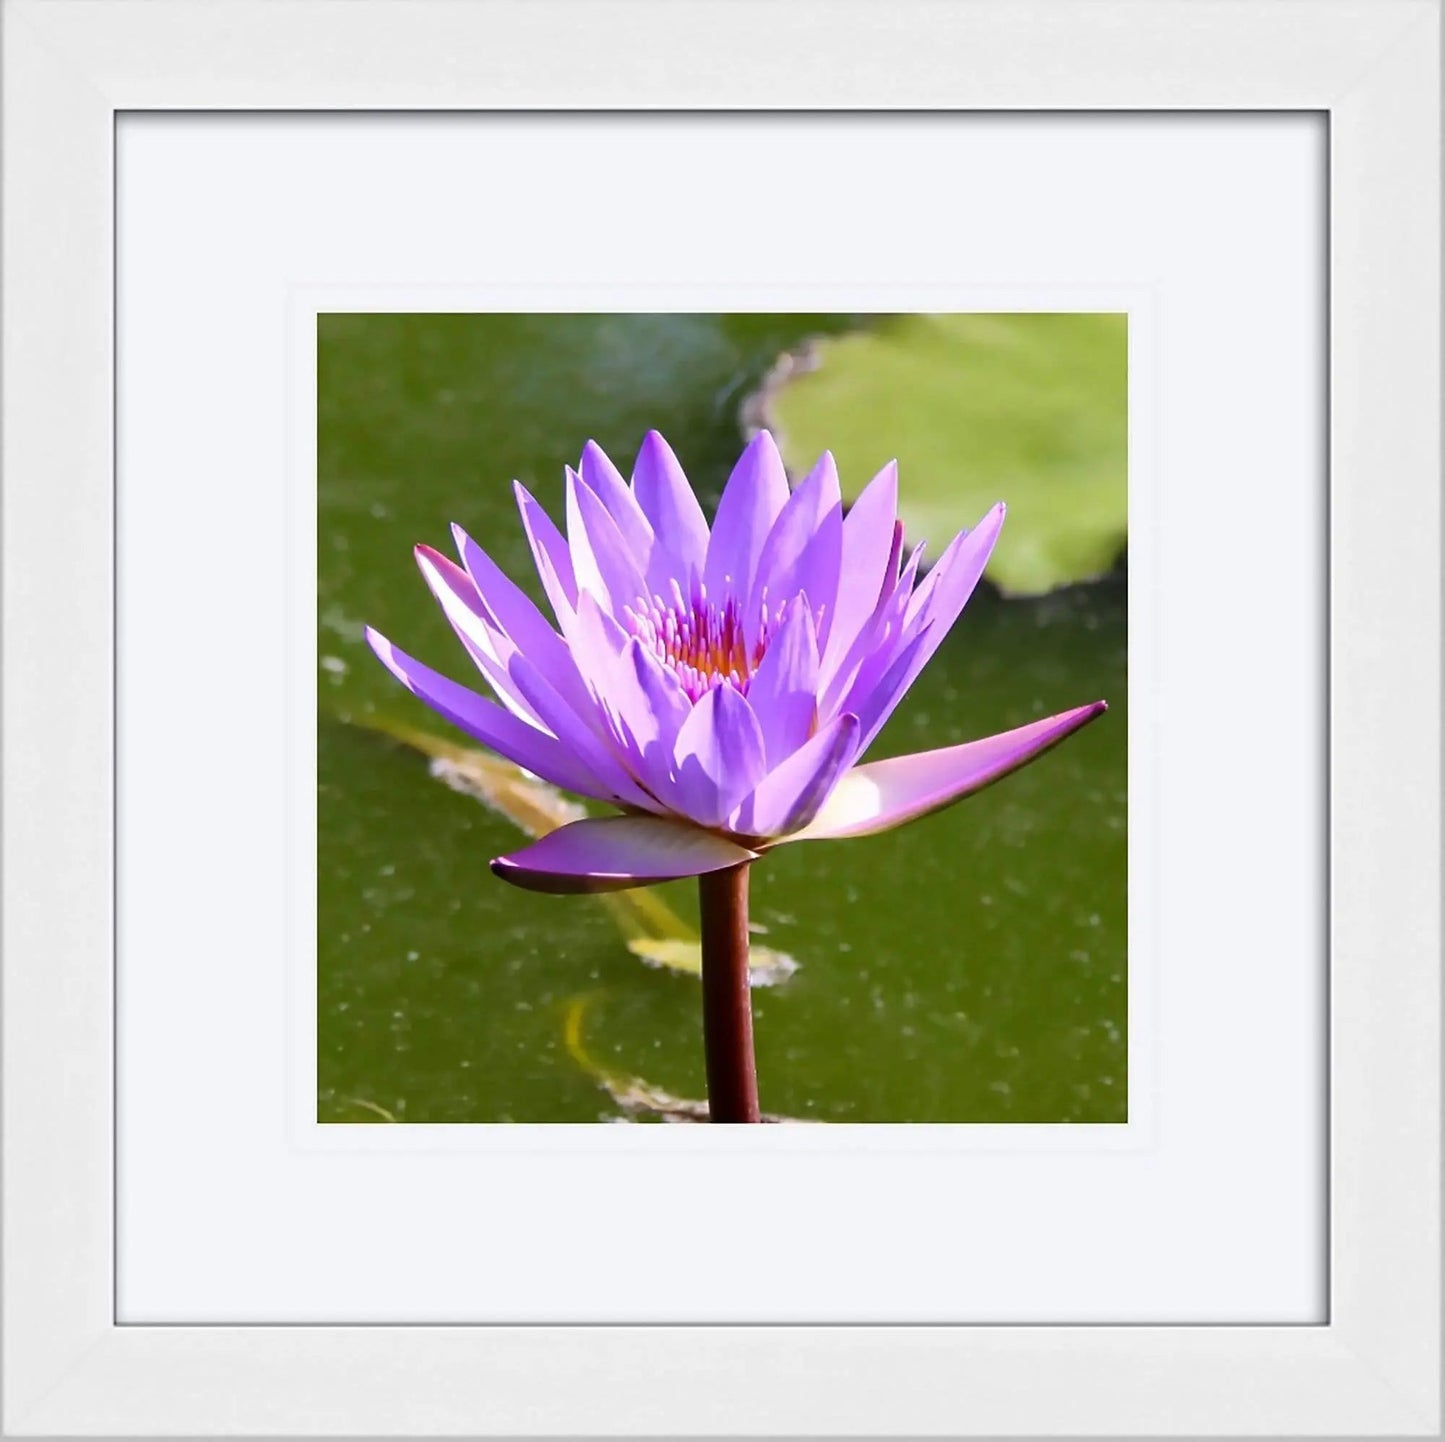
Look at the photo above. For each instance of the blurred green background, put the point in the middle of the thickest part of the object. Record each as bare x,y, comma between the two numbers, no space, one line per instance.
968,968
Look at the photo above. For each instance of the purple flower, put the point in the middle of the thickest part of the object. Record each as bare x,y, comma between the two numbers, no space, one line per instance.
719,687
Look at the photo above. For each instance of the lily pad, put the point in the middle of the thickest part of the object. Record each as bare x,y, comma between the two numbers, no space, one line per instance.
1030,409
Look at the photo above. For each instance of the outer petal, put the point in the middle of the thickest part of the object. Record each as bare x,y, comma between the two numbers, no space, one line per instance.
581,733
755,493
885,794
549,550
652,707
638,703
950,583
475,626
673,511
875,702
804,549
596,642
606,483
603,561
868,541
933,609
488,723
789,796
878,641
520,622
784,690
719,756
612,853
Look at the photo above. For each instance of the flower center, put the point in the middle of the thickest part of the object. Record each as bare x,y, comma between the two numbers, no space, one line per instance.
703,644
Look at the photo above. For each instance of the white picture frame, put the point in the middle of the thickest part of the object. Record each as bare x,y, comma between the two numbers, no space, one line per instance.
71,66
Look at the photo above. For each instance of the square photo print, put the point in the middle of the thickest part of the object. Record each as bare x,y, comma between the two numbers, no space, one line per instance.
722,718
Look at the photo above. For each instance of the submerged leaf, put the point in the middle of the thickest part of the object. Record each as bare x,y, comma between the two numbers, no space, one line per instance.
636,1097
374,1110
1031,409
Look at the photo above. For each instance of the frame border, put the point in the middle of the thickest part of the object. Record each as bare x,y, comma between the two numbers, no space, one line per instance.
1373,65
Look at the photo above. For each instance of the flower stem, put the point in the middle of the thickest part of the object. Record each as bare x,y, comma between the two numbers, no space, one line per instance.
727,1004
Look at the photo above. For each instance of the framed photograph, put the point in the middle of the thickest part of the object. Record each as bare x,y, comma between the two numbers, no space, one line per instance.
871,573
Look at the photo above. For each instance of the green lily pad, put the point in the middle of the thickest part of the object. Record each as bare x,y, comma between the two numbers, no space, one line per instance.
1029,409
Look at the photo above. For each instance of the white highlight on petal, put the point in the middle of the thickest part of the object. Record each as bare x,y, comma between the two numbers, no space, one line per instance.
855,801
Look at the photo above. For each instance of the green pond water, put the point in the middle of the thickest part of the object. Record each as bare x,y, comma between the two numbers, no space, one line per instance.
968,968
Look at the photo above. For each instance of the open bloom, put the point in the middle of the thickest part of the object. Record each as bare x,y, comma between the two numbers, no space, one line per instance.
718,686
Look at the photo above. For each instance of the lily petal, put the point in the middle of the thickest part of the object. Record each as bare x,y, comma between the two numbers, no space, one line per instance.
604,563
789,796
612,853
885,794
946,588
606,483
596,642
719,756
488,723
475,626
755,493
672,509
870,533
651,707
784,689
874,701
804,549
878,641
582,733
636,701
517,618
933,609
549,550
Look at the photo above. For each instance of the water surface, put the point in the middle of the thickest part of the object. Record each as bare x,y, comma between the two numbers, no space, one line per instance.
970,967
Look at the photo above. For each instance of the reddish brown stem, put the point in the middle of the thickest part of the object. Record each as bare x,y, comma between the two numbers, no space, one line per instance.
727,1004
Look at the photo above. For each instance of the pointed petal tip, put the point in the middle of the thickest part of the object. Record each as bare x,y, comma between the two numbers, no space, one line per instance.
592,459
385,652
764,441
654,444
550,883
885,794
505,869
824,472
459,535
446,580
442,575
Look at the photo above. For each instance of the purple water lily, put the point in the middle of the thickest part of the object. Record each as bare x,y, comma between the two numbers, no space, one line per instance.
719,687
